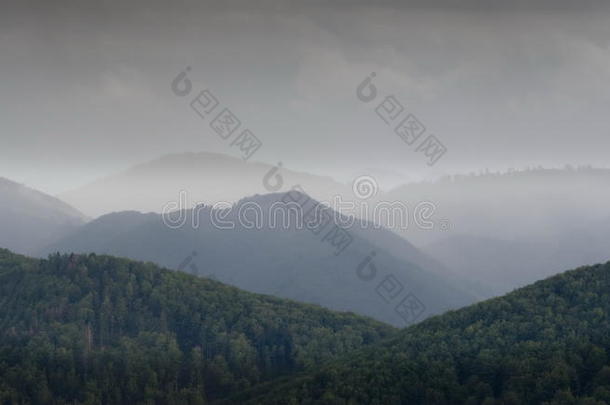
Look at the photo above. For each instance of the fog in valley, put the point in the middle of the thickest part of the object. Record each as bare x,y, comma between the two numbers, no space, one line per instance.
365,165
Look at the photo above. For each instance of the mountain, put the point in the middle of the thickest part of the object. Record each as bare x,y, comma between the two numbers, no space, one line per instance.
501,265
374,273
547,343
101,330
532,204
510,229
499,231
30,219
205,177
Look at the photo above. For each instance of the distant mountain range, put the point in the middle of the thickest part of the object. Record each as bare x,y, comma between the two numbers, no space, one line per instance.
205,177
503,230
534,222
501,265
507,230
77,328
287,262
536,203
30,219
547,343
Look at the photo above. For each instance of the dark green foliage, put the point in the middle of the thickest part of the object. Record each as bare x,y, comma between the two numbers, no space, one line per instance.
100,330
548,343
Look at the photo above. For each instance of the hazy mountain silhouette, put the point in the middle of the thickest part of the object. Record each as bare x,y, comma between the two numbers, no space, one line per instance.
206,177
499,266
528,204
30,219
524,220
514,228
286,262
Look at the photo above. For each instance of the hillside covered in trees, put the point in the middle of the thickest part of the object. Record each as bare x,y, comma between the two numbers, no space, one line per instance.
548,343
317,266
100,330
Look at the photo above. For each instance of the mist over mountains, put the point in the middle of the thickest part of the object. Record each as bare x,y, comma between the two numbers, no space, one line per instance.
332,284
510,229
532,222
30,219
530,203
287,262
206,177
344,202
504,230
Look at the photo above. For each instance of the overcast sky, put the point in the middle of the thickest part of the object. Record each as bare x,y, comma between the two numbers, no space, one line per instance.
85,86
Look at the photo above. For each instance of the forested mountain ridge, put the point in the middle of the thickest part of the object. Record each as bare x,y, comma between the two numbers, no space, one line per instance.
547,343
101,330
287,262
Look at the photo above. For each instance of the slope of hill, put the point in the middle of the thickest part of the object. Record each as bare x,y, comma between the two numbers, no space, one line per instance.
286,262
548,343
503,265
511,211
206,177
97,329
529,204
30,219
517,227
499,265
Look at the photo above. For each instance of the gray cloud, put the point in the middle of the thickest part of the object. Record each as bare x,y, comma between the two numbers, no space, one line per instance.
85,86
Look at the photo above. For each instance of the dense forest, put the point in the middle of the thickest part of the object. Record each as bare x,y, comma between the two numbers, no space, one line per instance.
101,330
548,343
88,329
